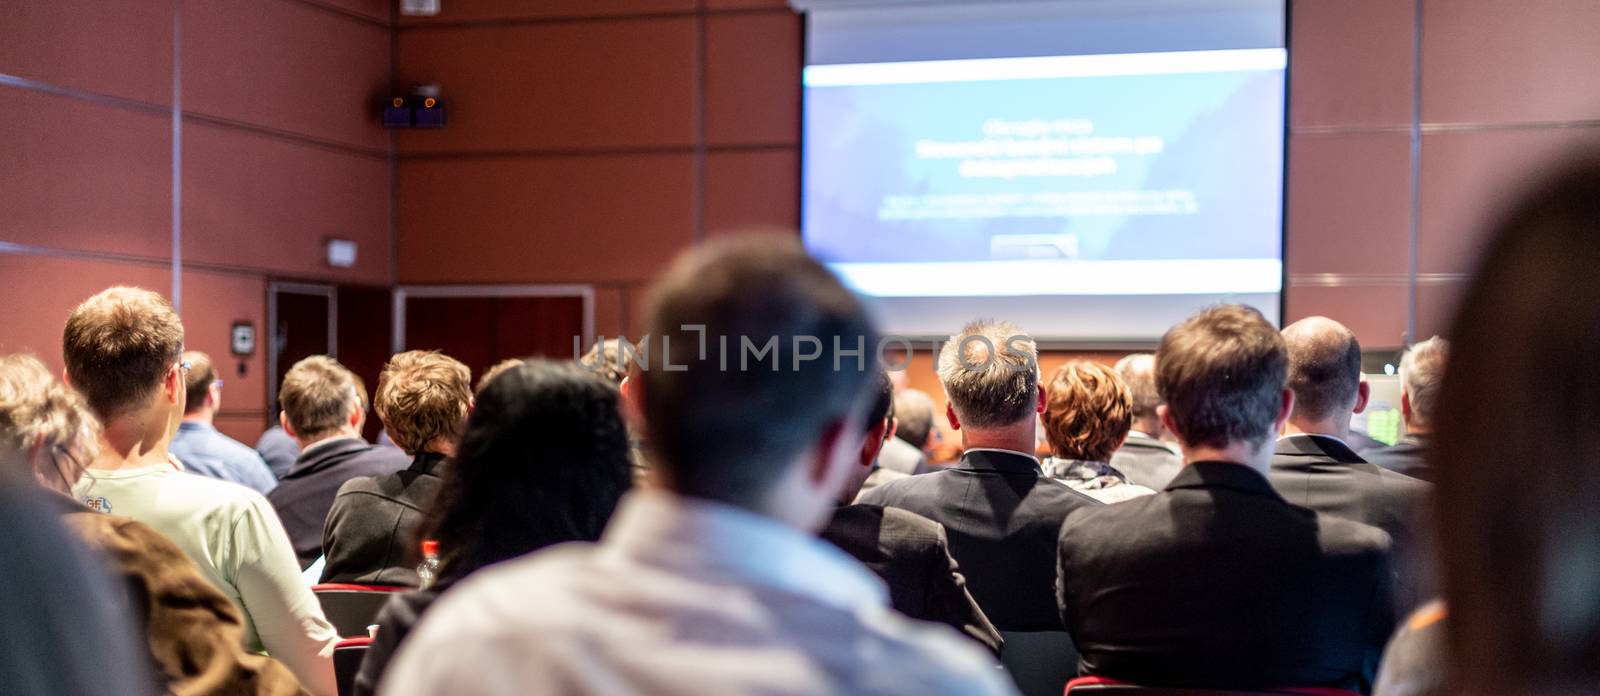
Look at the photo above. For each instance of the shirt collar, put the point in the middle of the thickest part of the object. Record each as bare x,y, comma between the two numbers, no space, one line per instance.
1136,433
1217,474
1318,445
196,426
699,537
320,445
1003,460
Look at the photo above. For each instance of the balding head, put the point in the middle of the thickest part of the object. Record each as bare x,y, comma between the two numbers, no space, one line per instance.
1325,374
1138,371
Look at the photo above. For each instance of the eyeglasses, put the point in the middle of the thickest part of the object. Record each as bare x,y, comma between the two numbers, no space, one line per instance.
60,451
185,365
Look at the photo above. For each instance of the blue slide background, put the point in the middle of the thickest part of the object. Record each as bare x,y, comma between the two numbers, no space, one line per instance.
1223,133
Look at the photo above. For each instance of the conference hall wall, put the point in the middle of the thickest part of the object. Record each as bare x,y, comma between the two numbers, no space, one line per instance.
223,139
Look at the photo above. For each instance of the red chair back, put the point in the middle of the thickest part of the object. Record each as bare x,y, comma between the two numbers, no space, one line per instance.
1098,686
347,657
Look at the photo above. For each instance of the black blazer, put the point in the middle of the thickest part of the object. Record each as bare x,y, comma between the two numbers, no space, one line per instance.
911,555
1409,456
1147,461
305,494
1219,582
371,528
1324,474
1001,516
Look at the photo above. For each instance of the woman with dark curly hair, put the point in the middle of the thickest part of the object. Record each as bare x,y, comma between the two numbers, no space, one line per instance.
543,460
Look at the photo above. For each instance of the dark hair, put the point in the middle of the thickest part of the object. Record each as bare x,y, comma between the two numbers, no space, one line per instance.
543,460
1522,561
118,346
1324,367
1221,373
882,405
725,431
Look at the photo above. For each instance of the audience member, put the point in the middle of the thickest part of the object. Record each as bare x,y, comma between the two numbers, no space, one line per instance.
900,456
278,450
907,550
713,583
913,410
607,359
1314,467
195,634
1521,561
1087,413
1145,458
496,370
199,447
543,460
324,408
66,628
1217,581
1421,372
423,399
123,350
1001,514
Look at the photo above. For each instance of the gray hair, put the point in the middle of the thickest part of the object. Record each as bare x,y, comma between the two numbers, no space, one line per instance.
1421,372
913,408
1138,371
990,373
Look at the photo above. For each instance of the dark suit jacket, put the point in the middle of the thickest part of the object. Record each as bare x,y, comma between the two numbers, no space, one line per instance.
371,527
1001,516
305,494
1219,582
1325,475
1147,461
1408,456
910,553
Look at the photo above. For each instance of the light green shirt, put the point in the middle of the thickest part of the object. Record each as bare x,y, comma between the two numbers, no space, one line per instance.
233,535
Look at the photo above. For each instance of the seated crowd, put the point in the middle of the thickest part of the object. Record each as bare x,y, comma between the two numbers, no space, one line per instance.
1206,518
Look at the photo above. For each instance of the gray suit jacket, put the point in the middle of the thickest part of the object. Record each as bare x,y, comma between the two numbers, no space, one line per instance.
1147,461
910,553
904,457
1324,474
1408,456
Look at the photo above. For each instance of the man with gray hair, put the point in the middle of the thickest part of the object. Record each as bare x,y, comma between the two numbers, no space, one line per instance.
1001,514
1421,373
1143,457
1315,468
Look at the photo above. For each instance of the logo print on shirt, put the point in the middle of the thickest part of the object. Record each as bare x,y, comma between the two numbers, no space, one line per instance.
98,504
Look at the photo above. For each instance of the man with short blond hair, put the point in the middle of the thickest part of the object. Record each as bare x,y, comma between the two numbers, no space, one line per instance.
200,447
123,351
324,409
1217,581
1000,512
423,399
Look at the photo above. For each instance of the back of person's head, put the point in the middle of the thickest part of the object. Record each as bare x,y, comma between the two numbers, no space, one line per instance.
1421,374
118,346
543,460
318,397
197,384
606,358
1138,372
990,373
423,397
496,370
1221,374
1088,411
45,426
913,410
881,408
1521,556
1324,368
726,424
68,628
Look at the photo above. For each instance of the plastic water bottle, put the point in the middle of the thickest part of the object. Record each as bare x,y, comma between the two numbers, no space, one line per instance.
428,570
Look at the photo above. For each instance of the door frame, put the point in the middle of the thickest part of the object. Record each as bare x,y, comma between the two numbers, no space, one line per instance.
401,293
327,290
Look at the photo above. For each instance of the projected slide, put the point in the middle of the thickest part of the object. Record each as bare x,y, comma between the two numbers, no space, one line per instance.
1126,174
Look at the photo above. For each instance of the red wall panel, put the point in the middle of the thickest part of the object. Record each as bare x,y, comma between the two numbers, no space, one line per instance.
753,78
40,291
84,176
118,47
491,11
